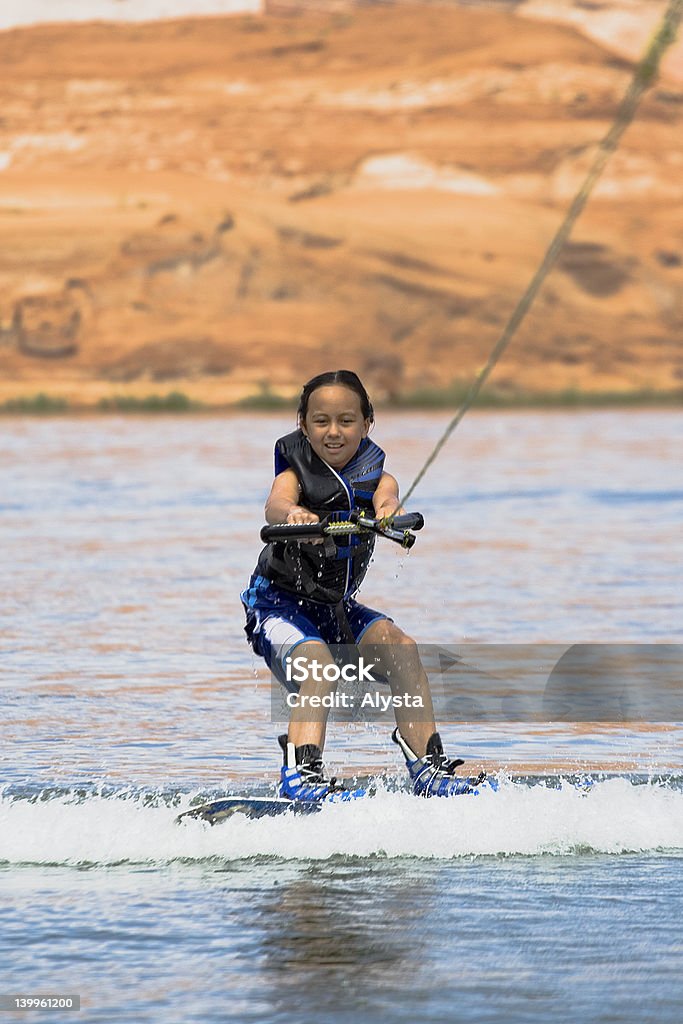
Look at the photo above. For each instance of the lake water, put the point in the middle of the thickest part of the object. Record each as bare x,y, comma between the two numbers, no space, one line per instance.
128,690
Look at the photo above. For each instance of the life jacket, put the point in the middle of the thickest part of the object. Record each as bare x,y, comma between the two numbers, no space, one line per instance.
335,569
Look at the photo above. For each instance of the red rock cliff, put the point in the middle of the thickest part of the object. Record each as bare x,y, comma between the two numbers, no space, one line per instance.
215,205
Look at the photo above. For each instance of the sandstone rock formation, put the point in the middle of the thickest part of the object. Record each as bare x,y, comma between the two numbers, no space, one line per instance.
234,204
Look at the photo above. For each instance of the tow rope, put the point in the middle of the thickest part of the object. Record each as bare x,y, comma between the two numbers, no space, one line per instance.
643,77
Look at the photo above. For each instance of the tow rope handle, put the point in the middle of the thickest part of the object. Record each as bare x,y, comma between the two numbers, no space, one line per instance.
395,528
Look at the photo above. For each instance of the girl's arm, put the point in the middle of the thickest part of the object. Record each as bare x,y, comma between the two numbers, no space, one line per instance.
282,502
385,498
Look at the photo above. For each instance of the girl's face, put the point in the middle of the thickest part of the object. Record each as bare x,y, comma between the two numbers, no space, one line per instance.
334,424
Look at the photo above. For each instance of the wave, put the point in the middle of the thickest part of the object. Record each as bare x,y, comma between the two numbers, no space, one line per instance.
613,816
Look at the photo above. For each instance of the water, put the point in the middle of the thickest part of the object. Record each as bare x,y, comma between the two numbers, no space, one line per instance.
128,690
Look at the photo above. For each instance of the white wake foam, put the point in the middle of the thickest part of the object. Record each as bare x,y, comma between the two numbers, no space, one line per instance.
615,816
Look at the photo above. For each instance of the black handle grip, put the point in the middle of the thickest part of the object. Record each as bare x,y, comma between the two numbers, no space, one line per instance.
397,530
291,531
402,537
408,521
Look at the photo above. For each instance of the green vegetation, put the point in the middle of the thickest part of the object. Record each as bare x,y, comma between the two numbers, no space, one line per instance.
453,396
450,398
174,401
37,405
266,401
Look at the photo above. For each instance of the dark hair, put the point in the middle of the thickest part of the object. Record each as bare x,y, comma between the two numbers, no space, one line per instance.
347,379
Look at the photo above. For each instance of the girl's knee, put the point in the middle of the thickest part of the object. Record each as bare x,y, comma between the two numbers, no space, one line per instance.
386,632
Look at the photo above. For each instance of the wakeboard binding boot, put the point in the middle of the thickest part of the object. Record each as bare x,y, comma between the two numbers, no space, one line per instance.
433,774
302,776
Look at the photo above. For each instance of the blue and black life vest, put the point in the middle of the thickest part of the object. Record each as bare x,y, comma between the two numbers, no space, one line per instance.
331,571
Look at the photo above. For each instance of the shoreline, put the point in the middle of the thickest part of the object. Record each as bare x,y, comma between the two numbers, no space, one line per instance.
179,402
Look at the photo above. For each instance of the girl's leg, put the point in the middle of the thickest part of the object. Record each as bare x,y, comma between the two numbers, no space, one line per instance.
308,723
398,659
431,772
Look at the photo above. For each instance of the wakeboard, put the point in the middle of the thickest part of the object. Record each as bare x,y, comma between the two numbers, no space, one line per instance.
267,807
251,806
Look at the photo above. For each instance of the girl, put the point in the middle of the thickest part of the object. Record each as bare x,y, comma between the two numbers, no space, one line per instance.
301,593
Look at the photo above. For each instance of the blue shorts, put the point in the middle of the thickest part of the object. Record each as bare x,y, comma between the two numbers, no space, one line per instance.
278,621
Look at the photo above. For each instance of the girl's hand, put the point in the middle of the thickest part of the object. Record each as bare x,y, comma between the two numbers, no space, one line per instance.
387,512
299,514
386,501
